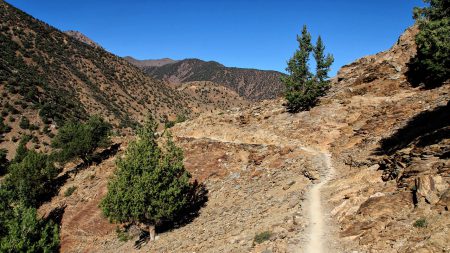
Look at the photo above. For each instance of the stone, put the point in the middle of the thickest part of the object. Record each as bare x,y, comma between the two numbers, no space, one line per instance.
293,202
374,167
426,188
288,185
311,174
444,201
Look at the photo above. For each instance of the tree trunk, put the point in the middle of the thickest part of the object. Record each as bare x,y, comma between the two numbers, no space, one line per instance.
151,230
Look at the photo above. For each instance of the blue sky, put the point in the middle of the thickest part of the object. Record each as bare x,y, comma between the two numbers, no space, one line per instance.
241,33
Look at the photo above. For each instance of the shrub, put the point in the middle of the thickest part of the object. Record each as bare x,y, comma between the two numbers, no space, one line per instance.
22,231
30,180
150,184
122,234
81,139
33,127
420,223
180,118
262,237
69,191
3,127
24,123
21,150
4,163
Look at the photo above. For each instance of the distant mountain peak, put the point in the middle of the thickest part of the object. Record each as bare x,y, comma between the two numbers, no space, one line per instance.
83,38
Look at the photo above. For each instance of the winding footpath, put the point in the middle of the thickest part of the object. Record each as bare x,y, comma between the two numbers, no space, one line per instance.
317,224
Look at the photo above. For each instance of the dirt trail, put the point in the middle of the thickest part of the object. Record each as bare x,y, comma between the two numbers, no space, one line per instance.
317,239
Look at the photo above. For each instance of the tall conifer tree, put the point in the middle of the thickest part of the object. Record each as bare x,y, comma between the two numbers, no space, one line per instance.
150,184
302,87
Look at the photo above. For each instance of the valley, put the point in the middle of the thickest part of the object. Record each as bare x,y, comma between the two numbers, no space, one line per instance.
366,169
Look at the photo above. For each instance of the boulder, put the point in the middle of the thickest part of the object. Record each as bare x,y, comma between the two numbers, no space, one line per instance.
427,188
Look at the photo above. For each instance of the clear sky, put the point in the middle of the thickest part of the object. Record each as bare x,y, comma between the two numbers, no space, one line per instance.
242,33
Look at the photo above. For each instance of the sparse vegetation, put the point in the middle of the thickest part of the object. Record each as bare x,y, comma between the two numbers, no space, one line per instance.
431,65
262,237
302,87
122,234
3,127
69,191
260,84
24,123
180,118
420,223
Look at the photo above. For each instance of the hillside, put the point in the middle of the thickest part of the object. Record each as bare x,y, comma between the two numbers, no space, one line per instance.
367,170
81,37
149,63
42,65
251,84
48,77
210,96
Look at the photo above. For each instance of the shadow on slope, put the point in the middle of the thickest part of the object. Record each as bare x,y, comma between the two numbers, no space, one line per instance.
198,196
424,129
96,159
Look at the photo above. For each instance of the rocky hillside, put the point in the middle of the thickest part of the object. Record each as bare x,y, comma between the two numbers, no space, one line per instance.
48,77
149,63
251,84
81,37
208,96
367,170
59,75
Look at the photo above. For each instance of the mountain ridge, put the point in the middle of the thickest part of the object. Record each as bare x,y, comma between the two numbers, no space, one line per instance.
49,77
149,62
251,84
83,38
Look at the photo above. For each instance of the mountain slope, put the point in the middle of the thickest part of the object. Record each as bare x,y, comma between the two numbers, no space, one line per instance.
149,63
37,56
81,37
260,163
48,77
250,84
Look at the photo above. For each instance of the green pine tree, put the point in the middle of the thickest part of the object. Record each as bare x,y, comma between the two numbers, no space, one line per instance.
302,87
431,65
21,150
30,180
150,184
75,139
22,231
323,64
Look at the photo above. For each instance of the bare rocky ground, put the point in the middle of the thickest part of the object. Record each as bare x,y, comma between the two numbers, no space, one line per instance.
261,166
